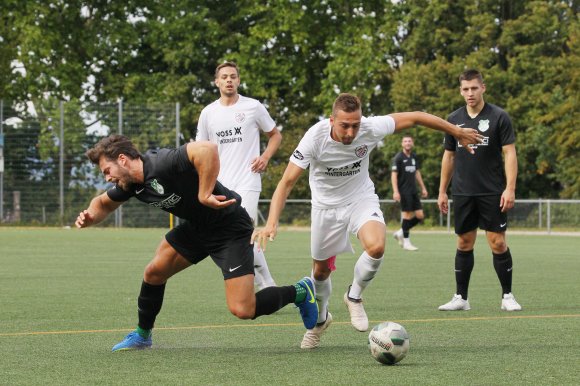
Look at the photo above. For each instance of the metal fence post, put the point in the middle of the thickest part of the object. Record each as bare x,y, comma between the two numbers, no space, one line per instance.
540,214
548,216
61,164
119,214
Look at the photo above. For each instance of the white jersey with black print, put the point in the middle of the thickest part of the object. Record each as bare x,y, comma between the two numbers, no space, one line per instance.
339,174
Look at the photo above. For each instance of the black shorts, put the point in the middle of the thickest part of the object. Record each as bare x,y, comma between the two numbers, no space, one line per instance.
484,212
410,202
228,245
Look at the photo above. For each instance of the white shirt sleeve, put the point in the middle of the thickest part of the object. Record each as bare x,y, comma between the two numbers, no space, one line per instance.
383,125
304,151
202,130
263,119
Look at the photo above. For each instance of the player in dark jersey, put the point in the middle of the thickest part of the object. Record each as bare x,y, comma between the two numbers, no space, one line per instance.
405,175
483,189
183,182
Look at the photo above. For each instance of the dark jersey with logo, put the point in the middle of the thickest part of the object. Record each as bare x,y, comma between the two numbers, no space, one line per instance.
406,168
481,173
172,184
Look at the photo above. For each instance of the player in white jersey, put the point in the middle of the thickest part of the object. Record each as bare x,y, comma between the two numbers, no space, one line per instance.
234,122
343,198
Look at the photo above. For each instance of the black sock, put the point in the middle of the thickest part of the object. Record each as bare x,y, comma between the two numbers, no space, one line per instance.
271,299
407,225
503,267
463,266
149,304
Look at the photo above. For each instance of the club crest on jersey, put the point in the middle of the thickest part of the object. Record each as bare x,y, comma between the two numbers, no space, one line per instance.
298,155
157,186
483,125
361,151
240,117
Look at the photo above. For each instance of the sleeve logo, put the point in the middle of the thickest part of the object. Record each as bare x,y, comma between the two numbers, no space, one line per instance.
298,155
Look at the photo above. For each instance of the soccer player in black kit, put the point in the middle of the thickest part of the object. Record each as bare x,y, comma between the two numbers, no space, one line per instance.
405,175
483,189
183,181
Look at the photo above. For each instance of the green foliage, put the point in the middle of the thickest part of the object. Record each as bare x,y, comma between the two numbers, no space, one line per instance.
295,56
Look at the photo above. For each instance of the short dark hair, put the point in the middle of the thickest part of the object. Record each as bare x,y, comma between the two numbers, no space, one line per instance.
227,64
346,102
110,147
407,136
470,75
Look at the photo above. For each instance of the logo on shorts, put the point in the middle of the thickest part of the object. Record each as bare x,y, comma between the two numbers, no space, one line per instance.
298,155
240,117
157,186
483,125
361,151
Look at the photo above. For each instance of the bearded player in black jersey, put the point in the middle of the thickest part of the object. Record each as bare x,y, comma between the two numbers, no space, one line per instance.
483,189
183,182
405,175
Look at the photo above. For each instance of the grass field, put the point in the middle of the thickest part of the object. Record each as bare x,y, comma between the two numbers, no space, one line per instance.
67,296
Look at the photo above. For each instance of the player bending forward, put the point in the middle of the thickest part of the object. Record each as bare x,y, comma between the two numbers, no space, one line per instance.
343,198
183,181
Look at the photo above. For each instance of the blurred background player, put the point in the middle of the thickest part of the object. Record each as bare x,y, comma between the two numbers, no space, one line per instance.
483,189
344,201
404,175
233,122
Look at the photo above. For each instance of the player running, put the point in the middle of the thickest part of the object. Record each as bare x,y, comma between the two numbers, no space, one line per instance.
343,198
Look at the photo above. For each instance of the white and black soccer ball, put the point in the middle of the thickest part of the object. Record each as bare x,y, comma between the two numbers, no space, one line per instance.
389,342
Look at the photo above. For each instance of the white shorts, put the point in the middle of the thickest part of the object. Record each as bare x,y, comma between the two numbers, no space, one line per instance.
250,202
331,227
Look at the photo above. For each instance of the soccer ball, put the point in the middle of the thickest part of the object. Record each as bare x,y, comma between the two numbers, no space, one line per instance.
389,342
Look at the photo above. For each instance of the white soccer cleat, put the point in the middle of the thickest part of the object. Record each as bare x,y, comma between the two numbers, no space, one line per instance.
398,236
358,316
407,246
456,304
311,338
508,303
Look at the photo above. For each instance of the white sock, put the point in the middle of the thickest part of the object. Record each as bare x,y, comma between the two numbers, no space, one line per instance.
323,291
262,278
365,270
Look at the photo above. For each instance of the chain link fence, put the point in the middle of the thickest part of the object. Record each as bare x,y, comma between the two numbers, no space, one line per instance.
45,178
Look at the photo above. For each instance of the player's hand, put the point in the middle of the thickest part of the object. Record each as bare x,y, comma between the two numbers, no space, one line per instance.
443,203
262,236
508,200
84,219
424,193
259,164
466,137
217,202
397,197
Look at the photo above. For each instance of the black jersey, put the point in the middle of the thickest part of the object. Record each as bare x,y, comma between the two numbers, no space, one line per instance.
172,184
406,168
481,173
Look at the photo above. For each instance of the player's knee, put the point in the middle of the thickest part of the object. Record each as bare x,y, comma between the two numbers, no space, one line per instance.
498,246
153,275
376,251
242,311
420,217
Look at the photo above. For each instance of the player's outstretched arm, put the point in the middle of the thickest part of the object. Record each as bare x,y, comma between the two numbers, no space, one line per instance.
447,164
465,136
283,189
205,158
99,208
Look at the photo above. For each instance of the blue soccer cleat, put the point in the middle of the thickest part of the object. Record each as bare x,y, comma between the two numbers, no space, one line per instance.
308,307
133,341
